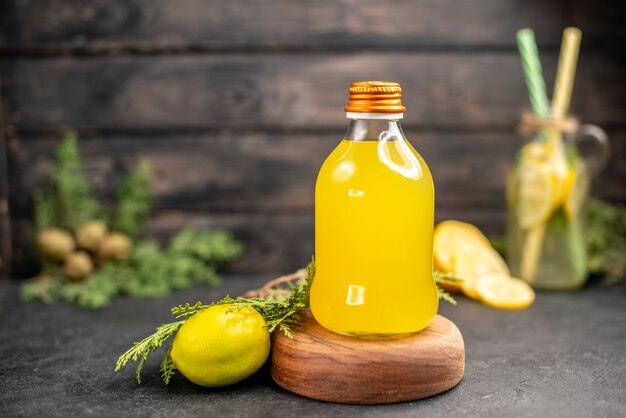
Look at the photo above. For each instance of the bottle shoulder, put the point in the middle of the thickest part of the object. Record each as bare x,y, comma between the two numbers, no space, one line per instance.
383,158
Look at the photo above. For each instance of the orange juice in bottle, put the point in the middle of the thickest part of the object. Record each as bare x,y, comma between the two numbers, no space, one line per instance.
374,216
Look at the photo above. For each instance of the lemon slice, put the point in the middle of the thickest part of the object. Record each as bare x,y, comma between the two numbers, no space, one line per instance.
461,248
504,292
473,262
577,192
534,150
449,236
536,193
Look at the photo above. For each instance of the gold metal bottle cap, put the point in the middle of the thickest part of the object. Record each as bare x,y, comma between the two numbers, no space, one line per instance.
375,97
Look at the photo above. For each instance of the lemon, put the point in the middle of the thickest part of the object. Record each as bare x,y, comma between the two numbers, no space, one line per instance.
461,248
216,347
536,193
504,292
545,180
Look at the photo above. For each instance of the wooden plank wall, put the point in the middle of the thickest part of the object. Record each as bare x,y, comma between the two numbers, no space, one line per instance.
237,102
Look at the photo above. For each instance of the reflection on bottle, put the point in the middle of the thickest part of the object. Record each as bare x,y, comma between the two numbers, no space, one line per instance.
356,295
343,172
356,193
406,164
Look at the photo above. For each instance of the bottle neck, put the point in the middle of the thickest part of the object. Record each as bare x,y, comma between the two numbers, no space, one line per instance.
366,129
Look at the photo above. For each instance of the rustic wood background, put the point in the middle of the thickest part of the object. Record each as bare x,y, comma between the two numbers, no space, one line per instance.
237,103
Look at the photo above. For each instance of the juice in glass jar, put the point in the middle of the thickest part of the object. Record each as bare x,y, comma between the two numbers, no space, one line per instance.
546,191
374,217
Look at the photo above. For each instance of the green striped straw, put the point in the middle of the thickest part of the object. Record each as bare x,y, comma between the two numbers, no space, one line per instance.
533,72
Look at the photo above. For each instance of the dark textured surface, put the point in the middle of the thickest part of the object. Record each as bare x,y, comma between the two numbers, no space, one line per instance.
563,357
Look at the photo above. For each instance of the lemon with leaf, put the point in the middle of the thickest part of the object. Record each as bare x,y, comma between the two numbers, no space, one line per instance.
221,345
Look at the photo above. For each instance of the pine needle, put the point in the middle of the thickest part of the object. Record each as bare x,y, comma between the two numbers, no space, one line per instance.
168,369
74,200
133,201
45,211
141,350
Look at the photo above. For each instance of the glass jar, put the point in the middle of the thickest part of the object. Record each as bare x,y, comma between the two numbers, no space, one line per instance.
374,218
546,192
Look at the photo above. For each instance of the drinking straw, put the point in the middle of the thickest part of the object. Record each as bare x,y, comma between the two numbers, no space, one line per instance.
536,84
533,73
563,86
566,72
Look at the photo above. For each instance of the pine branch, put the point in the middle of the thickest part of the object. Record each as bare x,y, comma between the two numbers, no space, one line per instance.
134,198
168,369
606,240
45,288
185,311
142,350
45,211
449,279
150,271
445,296
95,292
278,315
75,201
212,247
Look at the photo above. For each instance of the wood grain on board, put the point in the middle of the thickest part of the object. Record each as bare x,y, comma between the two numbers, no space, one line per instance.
320,364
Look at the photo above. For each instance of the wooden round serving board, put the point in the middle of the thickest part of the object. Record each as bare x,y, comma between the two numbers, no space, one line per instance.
323,365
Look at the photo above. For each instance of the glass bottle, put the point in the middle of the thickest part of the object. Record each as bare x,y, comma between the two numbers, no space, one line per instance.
374,217
546,192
